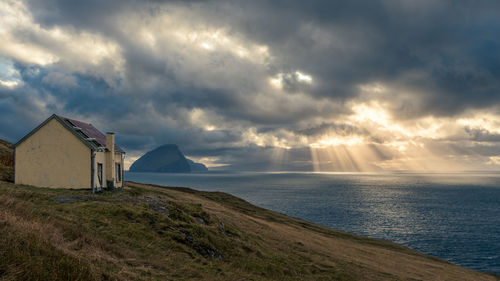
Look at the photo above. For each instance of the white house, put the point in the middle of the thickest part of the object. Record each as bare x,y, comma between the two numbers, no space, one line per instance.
67,153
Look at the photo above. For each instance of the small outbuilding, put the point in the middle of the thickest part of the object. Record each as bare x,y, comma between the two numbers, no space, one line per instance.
67,153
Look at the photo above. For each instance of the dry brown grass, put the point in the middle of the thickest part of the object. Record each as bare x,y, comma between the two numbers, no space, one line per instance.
46,248
6,161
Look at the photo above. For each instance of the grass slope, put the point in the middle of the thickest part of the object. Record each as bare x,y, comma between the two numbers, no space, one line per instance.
147,232
6,161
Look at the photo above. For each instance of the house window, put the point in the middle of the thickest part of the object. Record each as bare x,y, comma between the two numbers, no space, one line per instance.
118,172
99,173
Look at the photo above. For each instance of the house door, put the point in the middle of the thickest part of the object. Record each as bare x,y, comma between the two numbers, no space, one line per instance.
99,174
118,172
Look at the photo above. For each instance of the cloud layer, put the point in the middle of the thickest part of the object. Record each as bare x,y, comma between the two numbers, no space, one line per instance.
259,85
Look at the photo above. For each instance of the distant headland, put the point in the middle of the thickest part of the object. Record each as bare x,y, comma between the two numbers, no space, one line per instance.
166,159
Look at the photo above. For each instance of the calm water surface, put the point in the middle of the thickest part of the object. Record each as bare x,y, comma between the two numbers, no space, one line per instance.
452,216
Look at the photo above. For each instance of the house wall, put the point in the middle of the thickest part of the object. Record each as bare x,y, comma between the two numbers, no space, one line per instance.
110,160
100,157
119,160
53,157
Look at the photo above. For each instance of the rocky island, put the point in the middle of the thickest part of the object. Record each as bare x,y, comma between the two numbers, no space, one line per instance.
166,159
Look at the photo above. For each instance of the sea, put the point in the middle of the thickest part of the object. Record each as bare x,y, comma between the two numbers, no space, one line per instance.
455,217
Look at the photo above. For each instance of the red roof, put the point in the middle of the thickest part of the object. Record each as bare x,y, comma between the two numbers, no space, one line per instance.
90,132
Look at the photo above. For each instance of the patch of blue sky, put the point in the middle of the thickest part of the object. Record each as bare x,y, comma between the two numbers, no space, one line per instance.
8,72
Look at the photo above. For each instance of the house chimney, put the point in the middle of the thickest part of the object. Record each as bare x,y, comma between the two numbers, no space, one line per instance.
110,160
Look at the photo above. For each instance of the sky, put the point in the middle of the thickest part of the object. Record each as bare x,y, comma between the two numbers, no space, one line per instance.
325,86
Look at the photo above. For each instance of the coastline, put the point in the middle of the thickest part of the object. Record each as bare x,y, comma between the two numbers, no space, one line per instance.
150,231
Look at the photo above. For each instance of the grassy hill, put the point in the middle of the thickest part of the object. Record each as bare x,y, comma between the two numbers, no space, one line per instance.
6,161
146,232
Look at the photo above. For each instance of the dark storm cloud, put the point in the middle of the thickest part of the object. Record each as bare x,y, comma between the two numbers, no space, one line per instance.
482,135
328,128
438,58
258,158
454,44
18,110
